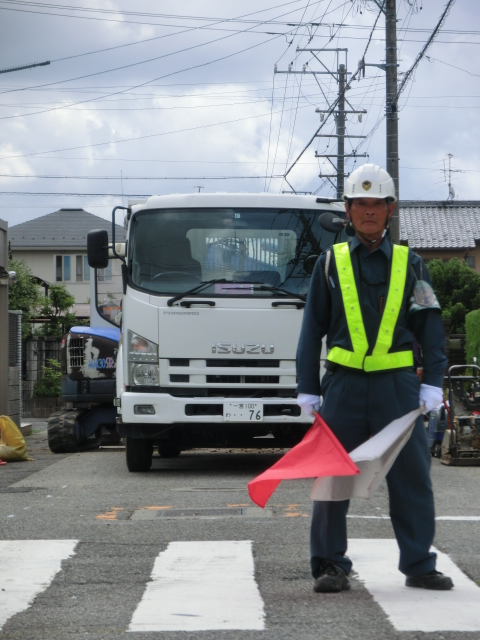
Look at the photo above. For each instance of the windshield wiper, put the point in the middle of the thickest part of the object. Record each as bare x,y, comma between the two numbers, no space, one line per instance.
271,287
196,289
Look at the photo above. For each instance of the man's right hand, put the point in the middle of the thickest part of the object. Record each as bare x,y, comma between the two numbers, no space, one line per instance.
308,403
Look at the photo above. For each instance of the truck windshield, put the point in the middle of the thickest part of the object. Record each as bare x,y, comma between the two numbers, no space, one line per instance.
173,251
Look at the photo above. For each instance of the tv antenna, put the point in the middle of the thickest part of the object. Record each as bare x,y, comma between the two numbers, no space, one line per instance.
451,190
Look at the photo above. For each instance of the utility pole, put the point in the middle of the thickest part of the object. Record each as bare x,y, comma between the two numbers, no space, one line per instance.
340,121
4,277
392,107
388,7
340,76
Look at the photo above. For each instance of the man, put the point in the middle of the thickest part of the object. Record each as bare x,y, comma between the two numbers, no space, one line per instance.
372,299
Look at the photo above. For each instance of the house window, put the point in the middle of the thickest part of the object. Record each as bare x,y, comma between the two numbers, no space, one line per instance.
82,270
62,269
58,268
470,261
105,274
79,268
86,269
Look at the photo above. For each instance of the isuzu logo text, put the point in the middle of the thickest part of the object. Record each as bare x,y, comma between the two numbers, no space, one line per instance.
239,348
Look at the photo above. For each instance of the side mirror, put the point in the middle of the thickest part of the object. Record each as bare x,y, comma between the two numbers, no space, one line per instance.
332,222
97,248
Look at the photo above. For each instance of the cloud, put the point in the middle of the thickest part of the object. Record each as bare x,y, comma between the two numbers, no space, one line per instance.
176,118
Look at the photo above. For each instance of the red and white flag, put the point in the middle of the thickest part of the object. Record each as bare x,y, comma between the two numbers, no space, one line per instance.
318,454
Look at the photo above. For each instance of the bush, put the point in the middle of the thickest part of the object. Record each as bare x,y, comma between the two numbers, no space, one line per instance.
472,326
56,309
49,385
457,288
24,295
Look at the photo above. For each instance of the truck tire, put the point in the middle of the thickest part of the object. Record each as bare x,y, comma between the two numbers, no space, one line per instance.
139,454
62,429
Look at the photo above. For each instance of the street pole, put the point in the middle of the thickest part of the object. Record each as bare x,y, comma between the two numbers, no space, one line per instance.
342,72
4,391
391,107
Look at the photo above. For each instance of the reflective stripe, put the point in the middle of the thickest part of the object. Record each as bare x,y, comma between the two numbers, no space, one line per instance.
380,359
353,312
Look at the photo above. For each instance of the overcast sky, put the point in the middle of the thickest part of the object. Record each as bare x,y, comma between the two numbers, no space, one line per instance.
164,97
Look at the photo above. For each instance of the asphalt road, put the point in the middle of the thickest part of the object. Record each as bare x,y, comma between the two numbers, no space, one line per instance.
91,498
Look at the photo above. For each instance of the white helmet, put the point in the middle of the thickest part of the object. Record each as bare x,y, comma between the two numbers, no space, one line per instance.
369,181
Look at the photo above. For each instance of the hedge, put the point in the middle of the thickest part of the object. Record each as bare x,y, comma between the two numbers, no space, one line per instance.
472,328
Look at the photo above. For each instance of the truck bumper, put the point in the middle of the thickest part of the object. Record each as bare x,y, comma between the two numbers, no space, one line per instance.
171,410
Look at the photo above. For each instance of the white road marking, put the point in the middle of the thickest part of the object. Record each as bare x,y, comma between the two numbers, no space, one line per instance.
27,568
200,586
410,609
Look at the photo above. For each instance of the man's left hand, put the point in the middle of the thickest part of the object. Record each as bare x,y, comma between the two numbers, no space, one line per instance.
431,397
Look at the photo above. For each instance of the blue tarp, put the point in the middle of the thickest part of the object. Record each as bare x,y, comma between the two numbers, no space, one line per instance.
112,333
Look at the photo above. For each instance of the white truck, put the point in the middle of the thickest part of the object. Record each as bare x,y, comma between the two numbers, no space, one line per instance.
214,287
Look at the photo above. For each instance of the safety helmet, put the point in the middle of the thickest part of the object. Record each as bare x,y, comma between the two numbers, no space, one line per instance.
369,181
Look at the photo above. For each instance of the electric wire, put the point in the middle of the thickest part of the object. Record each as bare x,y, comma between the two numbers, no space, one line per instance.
347,85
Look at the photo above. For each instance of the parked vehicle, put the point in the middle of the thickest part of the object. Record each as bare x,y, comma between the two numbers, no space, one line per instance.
214,288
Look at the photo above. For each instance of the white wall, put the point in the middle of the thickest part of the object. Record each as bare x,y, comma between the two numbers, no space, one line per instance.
42,265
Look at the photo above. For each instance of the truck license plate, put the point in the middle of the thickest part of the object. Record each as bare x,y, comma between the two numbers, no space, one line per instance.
242,411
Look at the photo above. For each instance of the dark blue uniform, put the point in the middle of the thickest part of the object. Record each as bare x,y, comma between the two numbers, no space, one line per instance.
358,405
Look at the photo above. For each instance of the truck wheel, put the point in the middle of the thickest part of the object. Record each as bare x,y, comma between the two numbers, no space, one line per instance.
169,449
139,454
62,430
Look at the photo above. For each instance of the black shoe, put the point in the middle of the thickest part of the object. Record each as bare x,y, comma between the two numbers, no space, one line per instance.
433,580
332,579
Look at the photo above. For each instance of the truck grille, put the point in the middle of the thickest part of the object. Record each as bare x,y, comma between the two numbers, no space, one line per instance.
243,379
216,373
271,364
77,352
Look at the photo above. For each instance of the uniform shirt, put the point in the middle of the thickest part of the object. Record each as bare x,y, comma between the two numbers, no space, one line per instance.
372,274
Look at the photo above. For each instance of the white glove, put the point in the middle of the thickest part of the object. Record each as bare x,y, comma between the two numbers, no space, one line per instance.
309,403
431,397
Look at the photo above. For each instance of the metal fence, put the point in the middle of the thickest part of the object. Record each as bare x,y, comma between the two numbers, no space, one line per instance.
15,365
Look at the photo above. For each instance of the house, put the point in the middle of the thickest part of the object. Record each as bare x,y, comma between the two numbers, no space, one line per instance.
443,230
54,246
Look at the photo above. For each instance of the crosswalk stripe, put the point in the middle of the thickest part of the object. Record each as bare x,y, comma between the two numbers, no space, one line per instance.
200,586
27,568
409,609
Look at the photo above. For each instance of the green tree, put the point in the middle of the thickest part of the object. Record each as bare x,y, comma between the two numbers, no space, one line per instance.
457,288
50,384
55,308
24,294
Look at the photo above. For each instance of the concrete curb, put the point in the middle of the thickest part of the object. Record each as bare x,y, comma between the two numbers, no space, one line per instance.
26,429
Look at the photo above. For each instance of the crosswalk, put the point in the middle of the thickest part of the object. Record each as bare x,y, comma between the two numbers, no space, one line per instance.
28,568
210,585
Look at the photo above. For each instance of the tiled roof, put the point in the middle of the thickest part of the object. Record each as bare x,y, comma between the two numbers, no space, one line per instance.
64,228
440,225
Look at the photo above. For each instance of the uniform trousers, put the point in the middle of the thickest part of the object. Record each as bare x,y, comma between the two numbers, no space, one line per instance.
356,406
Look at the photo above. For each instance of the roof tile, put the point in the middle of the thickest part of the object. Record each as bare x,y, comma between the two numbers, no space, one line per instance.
63,228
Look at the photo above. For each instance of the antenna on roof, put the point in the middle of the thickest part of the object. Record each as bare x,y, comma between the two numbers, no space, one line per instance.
451,190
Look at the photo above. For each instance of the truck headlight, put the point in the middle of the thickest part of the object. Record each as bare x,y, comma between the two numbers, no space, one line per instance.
144,375
140,349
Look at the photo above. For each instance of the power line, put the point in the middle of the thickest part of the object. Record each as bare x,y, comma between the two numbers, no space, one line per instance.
160,77
335,104
407,75
56,177
151,135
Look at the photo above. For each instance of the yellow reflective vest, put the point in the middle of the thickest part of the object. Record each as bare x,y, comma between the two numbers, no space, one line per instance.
380,359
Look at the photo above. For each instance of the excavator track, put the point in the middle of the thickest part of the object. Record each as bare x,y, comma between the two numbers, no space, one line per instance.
62,431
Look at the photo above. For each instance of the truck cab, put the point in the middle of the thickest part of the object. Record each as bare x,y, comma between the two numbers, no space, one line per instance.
214,287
